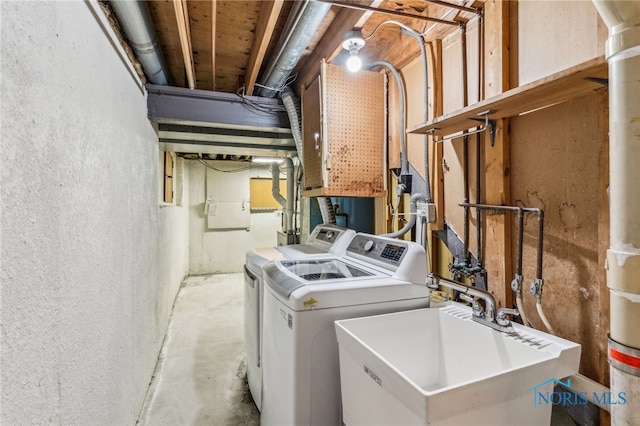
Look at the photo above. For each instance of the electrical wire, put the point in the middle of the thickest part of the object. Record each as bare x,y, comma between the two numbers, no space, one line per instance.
209,166
286,83
263,109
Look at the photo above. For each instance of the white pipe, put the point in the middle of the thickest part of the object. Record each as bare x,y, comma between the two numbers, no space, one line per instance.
275,188
286,203
588,388
520,306
622,51
412,217
290,194
543,317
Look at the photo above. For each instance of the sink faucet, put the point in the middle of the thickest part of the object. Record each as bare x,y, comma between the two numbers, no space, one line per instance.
484,315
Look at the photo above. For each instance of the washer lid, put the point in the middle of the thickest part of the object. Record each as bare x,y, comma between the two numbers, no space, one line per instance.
258,257
285,276
323,269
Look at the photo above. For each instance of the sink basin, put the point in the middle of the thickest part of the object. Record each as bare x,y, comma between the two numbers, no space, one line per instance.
438,366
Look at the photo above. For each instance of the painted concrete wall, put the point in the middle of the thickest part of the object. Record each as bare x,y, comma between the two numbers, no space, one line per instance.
223,251
91,262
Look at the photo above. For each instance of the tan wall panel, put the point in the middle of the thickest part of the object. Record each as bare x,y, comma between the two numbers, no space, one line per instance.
554,166
555,35
452,73
261,193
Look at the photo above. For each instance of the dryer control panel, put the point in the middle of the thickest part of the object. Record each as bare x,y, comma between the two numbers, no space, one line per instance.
327,237
406,259
373,247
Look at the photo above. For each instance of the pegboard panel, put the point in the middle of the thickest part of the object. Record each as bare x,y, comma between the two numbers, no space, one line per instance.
354,125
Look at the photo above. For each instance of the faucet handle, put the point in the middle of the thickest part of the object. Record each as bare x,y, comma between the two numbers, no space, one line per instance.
478,311
502,318
467,298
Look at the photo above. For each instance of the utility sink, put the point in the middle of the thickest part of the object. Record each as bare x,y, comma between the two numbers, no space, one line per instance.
438,366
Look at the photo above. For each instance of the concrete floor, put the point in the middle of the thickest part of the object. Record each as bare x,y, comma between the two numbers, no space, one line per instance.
200,377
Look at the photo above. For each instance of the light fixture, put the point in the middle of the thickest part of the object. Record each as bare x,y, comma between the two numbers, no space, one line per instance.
266,160
353,41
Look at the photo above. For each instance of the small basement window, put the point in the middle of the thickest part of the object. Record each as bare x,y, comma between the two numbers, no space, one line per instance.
168,177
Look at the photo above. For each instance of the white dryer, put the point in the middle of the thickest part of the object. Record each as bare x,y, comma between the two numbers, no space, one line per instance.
303,298
326,240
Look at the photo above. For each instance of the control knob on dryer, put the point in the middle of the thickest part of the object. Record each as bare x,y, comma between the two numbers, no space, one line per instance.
369,245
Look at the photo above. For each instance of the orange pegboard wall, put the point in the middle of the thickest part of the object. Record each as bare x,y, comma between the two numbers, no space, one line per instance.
354,105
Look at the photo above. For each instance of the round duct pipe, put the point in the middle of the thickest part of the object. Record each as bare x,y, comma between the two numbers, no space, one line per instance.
623,257
280,68
136,22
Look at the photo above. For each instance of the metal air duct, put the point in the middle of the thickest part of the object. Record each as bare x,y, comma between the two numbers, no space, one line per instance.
136,22
308,19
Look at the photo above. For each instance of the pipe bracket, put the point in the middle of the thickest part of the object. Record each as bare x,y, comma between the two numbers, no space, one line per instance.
623,268
624,358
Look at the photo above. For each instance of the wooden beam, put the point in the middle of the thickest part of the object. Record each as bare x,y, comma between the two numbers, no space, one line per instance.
269,12
437,149
603,242
344,21
390,12
496,47
497,227
551,90
184,30
214,13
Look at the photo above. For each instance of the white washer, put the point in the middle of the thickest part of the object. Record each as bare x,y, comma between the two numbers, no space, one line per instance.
325,241
303,298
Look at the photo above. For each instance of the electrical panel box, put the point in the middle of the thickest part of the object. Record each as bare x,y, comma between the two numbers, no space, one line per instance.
344,134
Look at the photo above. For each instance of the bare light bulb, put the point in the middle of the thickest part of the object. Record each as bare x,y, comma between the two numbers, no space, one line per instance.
354,63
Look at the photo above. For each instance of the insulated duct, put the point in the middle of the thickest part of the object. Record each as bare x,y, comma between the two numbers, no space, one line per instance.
292,105
308,21
136,22
622,51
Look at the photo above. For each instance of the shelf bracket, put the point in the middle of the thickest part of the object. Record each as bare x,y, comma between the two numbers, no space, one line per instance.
488,124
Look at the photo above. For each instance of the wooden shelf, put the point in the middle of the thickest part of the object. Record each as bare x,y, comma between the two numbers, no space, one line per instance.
551,90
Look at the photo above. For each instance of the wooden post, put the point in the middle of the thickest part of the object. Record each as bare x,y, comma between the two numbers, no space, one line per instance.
436,152
497,227
603,241
496,47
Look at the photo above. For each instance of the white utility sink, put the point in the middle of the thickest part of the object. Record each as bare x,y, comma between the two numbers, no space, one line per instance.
438,366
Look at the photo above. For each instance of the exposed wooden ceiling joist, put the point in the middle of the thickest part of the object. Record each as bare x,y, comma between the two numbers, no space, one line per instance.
213,43
269,13
182,18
